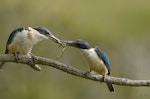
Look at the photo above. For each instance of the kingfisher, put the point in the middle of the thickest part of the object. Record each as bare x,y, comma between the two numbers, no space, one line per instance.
96,58
22,40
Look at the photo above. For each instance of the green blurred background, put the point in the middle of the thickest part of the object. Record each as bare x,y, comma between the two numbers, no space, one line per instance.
120,27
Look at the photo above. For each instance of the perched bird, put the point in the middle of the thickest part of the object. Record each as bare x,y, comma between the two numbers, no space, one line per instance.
95,57
22,40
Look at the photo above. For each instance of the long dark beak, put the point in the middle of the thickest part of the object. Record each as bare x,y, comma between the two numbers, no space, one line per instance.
56,40
69,43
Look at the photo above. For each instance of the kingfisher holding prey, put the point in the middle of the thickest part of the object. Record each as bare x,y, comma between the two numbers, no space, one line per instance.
22,40
95,57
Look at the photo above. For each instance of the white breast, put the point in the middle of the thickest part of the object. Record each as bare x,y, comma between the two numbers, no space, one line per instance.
35,36
25,40
94,61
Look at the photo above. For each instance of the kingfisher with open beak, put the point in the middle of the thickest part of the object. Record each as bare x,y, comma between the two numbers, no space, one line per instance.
95,57
22,40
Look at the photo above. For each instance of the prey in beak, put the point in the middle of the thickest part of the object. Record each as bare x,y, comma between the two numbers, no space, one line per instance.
55,39
78,44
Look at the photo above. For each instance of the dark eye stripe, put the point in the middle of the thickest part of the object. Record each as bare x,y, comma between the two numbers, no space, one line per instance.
42,30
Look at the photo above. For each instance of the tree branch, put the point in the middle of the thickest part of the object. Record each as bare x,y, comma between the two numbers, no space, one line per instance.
25,59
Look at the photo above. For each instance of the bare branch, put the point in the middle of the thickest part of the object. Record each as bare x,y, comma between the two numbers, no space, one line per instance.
25,59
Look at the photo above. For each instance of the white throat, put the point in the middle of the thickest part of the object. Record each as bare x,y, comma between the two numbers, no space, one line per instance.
35,36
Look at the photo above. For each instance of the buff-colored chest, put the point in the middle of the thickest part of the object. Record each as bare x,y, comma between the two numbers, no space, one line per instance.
21,43
24,41
95,63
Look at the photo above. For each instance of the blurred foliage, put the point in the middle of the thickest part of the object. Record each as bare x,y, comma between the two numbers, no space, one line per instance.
120,27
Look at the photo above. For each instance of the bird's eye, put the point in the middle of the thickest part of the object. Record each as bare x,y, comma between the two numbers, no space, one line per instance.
81,46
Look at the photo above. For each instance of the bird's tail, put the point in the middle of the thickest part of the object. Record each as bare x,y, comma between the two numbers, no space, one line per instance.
1,64
110,87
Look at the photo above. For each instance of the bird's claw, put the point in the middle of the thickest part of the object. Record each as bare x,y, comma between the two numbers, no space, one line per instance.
104,77
32,63
87,73
16,55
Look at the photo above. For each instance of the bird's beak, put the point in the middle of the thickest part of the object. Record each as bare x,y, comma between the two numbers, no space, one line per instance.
69,43
56,40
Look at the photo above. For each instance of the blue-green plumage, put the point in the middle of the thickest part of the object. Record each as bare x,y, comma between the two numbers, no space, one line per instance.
22,40
46,32
11,37
42,30
103,56
81,44
85,45
95,57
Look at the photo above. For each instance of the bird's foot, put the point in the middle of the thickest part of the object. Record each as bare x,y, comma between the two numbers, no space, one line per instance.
16,55
87,73
32,63
104,77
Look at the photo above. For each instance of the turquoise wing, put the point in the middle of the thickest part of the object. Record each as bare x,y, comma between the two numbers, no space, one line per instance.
11,37
103,56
